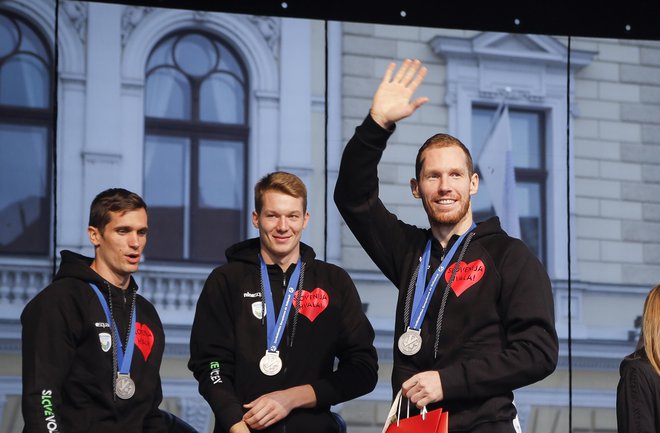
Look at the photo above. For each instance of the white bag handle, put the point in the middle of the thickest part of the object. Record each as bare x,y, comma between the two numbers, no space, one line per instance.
395,411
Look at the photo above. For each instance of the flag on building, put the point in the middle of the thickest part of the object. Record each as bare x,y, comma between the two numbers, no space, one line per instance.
497,172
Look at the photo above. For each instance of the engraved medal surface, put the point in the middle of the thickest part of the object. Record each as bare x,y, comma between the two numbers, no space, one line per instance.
410,342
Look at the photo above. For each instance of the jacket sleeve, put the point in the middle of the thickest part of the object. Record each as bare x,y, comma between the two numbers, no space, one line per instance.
356,196
48,348
212,357
357,370
635,401
154,421
531,346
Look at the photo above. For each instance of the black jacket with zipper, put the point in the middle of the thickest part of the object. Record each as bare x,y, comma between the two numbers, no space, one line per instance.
229,338
497,332
67,368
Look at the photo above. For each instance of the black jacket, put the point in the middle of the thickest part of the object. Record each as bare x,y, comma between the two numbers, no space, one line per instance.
638,395
68,376
497,332
229,338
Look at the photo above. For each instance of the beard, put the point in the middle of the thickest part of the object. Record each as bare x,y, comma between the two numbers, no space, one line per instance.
447,218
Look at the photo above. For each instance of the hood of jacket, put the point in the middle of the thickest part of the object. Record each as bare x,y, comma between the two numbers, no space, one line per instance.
248,252
74,265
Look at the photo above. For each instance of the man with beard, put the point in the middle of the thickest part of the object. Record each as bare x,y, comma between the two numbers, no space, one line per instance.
488,328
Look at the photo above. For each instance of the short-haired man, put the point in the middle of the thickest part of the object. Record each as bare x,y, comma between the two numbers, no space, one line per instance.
92,347
474,316
271,322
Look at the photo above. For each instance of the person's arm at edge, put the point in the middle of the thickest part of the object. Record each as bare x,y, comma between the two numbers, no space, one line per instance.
211,351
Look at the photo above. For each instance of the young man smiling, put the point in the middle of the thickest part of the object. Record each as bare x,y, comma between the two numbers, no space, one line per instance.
474,317
92,347
271,322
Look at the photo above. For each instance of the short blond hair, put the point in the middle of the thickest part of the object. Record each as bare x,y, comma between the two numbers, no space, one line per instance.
279,181
651,327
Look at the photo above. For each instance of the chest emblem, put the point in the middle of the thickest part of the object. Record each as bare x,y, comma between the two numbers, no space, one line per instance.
312,303
144,339
258,309
106,341
468,275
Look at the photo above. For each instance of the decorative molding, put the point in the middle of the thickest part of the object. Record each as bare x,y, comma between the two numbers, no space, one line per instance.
509,94
77,13
101,157
270,29
131,17
201,16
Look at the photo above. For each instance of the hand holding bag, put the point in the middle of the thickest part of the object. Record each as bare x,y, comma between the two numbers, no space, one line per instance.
435,421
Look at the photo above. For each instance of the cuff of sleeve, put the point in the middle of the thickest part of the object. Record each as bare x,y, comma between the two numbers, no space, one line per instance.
371,132
228,416
324,394
453,383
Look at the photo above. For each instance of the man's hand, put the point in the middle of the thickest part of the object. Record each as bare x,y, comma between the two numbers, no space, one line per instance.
423,388
275,406
391,101
239,427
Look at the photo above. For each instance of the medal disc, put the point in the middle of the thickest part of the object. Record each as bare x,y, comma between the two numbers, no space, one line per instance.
270,364
410,342
124,386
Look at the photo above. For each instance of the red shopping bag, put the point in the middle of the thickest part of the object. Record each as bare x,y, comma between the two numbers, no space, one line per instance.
435,421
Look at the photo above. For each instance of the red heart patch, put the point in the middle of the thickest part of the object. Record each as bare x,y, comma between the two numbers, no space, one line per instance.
144,339
312,304
468,275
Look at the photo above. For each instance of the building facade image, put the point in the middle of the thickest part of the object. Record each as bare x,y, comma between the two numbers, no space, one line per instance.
190,108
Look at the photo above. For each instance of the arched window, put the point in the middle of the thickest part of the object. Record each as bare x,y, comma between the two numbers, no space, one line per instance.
196,134
25,137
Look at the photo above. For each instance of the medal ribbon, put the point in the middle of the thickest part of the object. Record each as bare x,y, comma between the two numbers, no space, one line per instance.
273,331
124,359
422,296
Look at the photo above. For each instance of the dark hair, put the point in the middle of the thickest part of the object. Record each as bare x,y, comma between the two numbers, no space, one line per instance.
113,200
442,140
280,181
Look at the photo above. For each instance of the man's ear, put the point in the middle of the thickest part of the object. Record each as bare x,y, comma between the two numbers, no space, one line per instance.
474,184
255,219
94,236
414,187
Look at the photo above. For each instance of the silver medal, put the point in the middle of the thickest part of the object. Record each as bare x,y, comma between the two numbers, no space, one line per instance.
270,363
410,342
124,386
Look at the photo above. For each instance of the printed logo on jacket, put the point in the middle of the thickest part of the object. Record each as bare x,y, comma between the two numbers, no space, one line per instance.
312,304
49,415
468,275
144,340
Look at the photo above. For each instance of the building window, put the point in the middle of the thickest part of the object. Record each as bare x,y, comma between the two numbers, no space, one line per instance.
196,135
528,151
26,115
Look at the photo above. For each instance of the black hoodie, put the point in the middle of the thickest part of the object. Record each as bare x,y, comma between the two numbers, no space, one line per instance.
497,332
638,395
229,338
68,371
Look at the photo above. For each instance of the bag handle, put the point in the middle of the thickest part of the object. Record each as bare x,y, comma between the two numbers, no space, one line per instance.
395,411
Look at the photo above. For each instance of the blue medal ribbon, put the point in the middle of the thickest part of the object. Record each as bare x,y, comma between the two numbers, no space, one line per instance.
423,295
274,332
123,359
